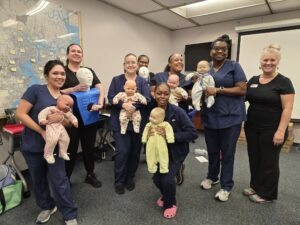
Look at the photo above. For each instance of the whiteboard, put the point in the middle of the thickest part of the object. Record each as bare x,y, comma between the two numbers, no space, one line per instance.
250,47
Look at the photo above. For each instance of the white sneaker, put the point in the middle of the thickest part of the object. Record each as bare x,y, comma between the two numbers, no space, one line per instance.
207,184
222,195
199,151
65,156
45,215
50,159
71,222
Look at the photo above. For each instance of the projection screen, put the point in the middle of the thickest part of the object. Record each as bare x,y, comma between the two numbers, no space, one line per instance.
250,46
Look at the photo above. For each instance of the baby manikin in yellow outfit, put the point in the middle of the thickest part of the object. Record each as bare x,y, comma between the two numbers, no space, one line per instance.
156,144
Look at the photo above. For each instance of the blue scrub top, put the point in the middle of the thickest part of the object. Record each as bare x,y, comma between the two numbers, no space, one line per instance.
40,98
163,78
116,86
227,110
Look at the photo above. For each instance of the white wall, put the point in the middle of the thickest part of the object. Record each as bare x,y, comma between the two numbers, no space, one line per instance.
108,34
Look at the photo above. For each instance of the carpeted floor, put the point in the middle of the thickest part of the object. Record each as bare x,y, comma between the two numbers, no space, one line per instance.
196,207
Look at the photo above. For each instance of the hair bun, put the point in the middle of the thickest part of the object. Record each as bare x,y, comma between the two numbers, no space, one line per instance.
225,37
275,46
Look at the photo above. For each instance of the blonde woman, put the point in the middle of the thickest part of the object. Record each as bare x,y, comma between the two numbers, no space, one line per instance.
271,98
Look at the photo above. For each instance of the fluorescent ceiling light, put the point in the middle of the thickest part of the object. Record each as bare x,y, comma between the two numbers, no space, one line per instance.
66,35
40,40
9,22
200,4
210,7
40,6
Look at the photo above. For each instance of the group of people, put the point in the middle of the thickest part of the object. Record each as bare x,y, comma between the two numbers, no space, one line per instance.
269,94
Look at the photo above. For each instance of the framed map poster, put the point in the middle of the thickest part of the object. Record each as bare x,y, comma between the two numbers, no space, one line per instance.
31,33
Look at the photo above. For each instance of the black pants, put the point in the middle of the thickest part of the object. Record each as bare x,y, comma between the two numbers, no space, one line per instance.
87,137
165,182
264,162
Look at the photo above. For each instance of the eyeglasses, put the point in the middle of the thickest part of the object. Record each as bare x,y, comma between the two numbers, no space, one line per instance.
223,49
130,62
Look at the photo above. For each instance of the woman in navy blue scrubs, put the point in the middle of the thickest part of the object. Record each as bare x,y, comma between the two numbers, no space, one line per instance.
222,122
36,98
184,132
175,66
128,146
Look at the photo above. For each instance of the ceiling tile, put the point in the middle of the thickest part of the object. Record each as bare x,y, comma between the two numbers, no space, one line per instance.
135,6
202,12
175,3
168,19
285,5
232,15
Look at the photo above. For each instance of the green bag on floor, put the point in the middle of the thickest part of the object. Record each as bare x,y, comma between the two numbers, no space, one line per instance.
10,196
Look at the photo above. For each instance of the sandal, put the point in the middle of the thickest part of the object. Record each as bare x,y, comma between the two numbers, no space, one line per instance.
170,212
257,199
160,202
248,192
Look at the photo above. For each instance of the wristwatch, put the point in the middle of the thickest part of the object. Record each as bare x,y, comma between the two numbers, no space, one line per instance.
221,89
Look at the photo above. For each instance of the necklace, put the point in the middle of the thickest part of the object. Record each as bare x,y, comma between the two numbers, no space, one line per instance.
216,69
264,79
73,69
130,77
54,93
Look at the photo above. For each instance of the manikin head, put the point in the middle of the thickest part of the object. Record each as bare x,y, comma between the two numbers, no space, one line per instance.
144,72
173,81
203,67
64,103
130,87
85,76
157,115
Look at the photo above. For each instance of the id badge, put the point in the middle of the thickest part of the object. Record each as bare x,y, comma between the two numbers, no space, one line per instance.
253,85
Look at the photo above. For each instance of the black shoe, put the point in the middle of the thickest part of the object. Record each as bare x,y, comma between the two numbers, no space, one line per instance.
92,180
130,186
119,190
179,175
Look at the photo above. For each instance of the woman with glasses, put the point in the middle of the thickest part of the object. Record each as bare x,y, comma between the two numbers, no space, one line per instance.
128,145
222,122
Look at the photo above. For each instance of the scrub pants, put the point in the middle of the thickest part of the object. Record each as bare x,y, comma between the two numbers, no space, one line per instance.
263,161
127,156
87,136
165,182
221,143
39,170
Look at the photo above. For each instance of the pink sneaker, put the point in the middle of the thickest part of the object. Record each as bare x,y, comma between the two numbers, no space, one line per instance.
170,212
159,202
